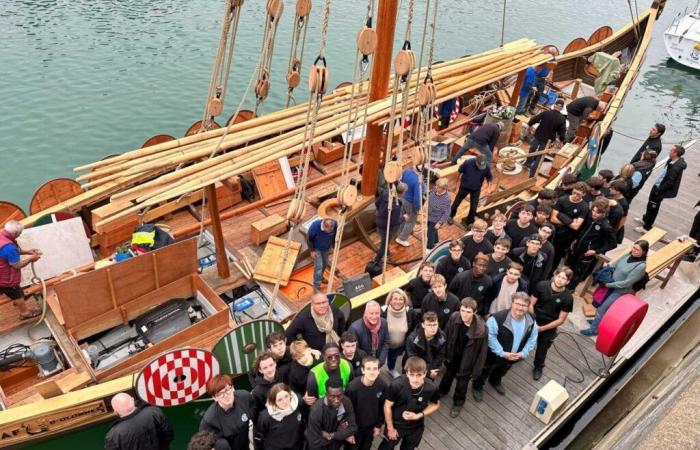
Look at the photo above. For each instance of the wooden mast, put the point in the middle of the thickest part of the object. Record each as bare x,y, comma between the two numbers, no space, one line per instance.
379,87
221,258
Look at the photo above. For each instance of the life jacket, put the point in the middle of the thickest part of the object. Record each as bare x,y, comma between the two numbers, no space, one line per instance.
322,376
10,277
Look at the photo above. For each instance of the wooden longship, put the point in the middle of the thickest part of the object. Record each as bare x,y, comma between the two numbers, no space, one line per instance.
168,180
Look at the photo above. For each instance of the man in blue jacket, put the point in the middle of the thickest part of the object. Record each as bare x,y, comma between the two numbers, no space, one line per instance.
473,173
412,201
321,238
372,332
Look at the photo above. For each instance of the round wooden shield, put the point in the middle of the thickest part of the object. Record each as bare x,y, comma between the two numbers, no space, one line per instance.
177,377
242,116
237,350
514,208
10,211
197,128
344,84
551,49
438,252
575,45
341,302
593,147
54,192
599,34
157,139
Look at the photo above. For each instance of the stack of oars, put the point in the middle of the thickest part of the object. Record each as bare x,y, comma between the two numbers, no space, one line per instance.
143,178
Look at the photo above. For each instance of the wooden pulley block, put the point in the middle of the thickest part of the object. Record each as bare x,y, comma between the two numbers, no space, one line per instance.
367,41
215,106
347,195
262,88
274,8
293,79
417,156
392,171
405,62
296,210
426,94
303,8
318,79
236,3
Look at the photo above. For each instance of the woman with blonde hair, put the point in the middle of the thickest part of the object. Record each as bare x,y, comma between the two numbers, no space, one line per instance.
401,320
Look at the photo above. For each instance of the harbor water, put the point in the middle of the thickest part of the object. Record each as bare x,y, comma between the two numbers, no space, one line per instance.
80,80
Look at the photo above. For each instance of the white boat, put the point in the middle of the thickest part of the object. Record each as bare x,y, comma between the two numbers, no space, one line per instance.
682,38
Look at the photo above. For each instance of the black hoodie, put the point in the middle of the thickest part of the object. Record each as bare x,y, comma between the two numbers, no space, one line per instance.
417,289
339,421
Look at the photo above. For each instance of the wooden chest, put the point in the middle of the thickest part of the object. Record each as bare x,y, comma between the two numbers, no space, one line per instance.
261,230
328,152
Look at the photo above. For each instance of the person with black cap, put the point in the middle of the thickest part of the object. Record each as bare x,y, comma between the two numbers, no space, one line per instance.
552,126
473,172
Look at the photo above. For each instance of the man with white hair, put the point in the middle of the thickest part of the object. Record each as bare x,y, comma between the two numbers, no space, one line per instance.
11,266
141,427
372,332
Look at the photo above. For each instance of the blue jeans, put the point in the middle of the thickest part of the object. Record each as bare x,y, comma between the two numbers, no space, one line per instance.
433,237
535,146
406,227
522,103
607,303
393,355
320,263
470,143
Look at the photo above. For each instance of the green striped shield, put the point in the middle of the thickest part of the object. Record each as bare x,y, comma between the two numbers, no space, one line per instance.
237,350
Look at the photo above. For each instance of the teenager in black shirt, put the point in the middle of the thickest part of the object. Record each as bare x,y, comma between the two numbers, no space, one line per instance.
440,301
497,231
419,287
545,232
517,229
568,216
473,283
551,303
229,416
454,264
597,238
350,352
410,399
498,261
331,421
476,242
276,343
618,218
280,425
367,394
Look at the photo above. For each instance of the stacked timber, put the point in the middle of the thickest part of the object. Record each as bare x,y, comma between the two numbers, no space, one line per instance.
152,181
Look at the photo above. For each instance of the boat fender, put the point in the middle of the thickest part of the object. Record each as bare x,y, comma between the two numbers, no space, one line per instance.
620,323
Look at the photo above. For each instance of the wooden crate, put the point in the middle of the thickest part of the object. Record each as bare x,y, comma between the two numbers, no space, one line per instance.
269,179
394,272
261,230
328,151
267,267
225,197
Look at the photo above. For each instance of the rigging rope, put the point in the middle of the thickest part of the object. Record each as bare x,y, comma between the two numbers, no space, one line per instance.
296,54
262,87
318,79
360,71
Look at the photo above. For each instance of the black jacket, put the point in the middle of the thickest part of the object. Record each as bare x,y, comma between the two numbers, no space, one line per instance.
474,355
534,269
285,434
326,418
465,285
230,426
672,181
652,143
450,269
597,235
433,351
258,395
443,308
552,124
417,289
496,289
144,429
303,325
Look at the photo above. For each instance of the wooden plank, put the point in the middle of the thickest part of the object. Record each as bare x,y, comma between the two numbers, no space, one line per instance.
267,268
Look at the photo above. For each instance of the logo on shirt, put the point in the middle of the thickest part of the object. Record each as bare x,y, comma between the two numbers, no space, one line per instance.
299,417
575,210
597,227
538,264
480,288
379,395
244,417
460,270
502,269
420,399
446,310
557,300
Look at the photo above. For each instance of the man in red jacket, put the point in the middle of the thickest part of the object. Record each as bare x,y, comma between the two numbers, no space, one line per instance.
11,266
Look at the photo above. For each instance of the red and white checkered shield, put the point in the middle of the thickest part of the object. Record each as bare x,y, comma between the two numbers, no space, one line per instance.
176,377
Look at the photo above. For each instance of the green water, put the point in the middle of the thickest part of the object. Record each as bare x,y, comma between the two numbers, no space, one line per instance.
83,79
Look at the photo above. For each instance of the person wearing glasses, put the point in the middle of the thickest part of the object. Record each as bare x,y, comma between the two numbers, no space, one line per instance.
229,416
455,264
476,242
332,368
428,341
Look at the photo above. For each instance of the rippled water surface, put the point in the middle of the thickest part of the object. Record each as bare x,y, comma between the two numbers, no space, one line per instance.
83,79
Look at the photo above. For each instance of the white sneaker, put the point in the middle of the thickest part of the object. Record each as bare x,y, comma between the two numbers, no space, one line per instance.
638,220
403,243
640,230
